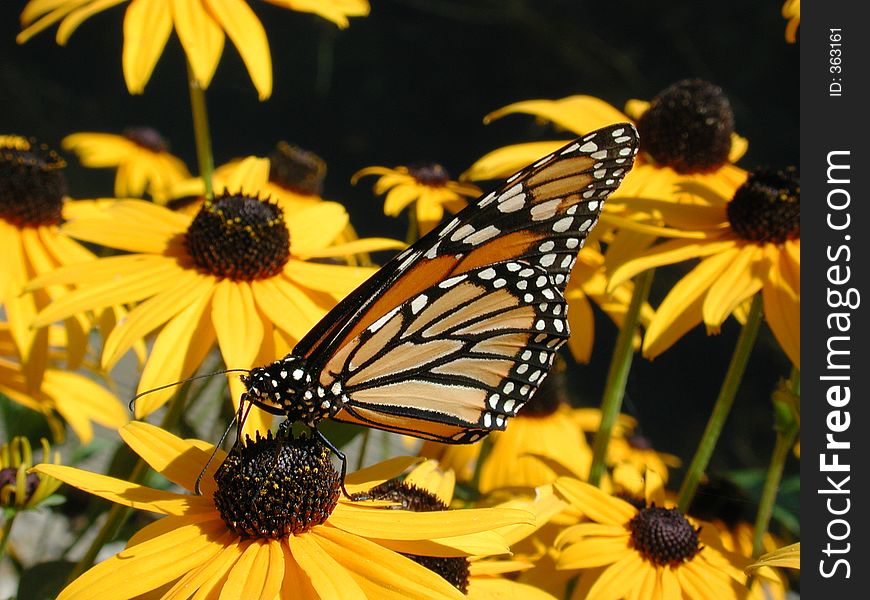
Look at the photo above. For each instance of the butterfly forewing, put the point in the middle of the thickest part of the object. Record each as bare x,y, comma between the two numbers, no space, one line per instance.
540,215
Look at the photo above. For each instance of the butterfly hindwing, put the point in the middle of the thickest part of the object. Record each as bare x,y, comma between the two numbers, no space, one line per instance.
458,359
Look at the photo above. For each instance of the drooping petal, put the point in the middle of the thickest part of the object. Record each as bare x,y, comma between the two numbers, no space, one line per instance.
582,325
147,25
78,399
201,37
666,253
680,311
738,281
398,198
618,579
316,227
782,305
594,552
237,322
366,478
249,37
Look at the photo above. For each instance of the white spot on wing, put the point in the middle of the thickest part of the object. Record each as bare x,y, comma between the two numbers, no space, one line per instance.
484,234
383,320
418,303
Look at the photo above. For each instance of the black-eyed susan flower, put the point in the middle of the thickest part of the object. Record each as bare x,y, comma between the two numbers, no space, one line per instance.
686,133
140,155
79,400
201,25
272,523
626,551
791,10
236,274
427,185
33,203
542,442
748,242
20,490
428,488
636,450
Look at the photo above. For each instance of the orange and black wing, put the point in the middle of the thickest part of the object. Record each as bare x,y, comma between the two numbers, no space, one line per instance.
488,275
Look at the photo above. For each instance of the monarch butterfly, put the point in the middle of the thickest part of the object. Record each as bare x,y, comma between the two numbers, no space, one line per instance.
452,336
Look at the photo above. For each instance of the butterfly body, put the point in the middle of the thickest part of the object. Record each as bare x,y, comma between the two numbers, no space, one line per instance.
451,337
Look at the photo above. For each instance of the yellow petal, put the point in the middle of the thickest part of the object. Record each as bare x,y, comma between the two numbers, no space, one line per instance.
504,589
582,326
177,352
201,37
739,281
41,14
666,253
201,577
126,493
578,114
787,556
618,579
366,478
289,308
358,247
147,25
80,15
155,563
680,311
385,573
510,159
237,322
329,578
248,575
251,175
593,552
153,313
96,271
594,503
399,197
782,306
77,395
334,279
316,227
249,37
404,525
180,461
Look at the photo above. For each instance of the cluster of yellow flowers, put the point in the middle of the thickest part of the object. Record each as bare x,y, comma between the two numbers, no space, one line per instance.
176,275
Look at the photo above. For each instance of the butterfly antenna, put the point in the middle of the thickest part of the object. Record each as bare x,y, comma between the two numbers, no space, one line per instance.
196,487
132,402
341,456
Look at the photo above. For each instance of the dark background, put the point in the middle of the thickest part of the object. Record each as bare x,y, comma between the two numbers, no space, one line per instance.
412,81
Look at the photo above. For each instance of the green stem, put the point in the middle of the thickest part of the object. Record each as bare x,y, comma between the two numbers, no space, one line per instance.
363,446
787,430
727,393
201,133
617,376
7,531
118,513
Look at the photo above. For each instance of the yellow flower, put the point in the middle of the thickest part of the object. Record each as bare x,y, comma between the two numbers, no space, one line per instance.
236,274
650,552
33,203
703,152
141,156
76,398
542,442
201,26
18,488
300,540
427,185
748,242
637,451
791,10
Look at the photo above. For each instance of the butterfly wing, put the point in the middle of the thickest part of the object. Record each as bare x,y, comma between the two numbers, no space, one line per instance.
537,221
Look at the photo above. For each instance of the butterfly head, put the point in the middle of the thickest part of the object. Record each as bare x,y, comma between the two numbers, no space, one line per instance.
285,385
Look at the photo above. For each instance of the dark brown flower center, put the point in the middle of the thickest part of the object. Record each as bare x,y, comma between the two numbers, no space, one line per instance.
409,497
147,138
663,536
9,486
428,173
239,237
688,127
32,185
639,442
275,486
296,169
767,208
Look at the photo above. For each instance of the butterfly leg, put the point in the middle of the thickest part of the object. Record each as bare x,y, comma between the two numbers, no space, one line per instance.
341,456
